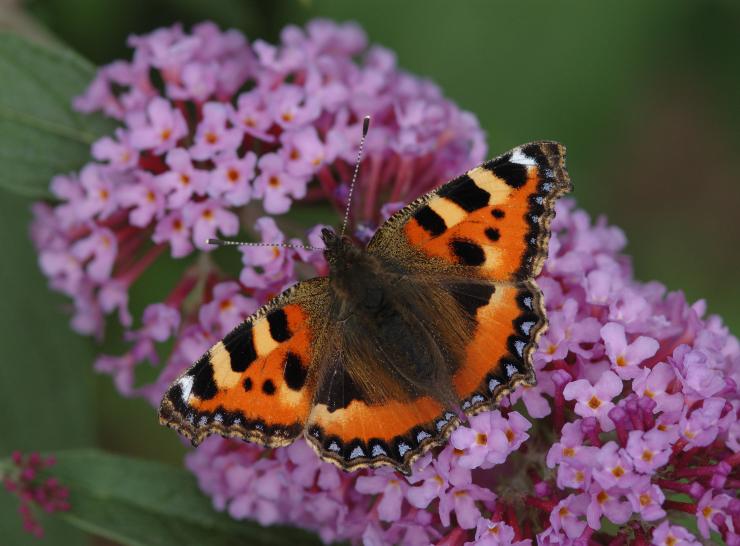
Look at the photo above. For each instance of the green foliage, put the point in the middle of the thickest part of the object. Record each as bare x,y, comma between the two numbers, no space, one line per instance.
40,134
143,503
46,396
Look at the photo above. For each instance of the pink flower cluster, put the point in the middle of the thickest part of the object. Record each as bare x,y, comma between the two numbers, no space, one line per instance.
632,428
215,132
34,491
633,425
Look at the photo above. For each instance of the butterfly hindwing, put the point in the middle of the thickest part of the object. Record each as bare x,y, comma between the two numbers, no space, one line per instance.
509,318
258,383
350,429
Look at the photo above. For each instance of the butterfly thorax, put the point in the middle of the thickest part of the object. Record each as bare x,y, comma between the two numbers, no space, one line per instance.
384,311
357,278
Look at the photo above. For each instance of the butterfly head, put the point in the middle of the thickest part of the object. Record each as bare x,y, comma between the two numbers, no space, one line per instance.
340,252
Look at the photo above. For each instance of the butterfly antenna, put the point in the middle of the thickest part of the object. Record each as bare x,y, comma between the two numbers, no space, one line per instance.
365,127
222,242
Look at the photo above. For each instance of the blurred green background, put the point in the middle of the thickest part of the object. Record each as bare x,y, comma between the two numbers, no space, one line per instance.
645,94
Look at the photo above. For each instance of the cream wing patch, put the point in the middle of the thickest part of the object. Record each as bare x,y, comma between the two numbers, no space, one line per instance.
498,189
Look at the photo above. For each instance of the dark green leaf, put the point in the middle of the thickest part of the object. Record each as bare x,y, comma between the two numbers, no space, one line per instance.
45,378
144,503
40,134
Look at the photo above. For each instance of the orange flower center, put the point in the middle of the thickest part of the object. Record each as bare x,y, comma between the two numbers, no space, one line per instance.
233,175
618,471
481,439
594,403
211,138
510,435
165,134
274,181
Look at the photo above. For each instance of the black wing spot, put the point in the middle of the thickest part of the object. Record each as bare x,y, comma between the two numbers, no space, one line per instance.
468,252
338,390
430,221
204,385
471,296
240,345
247,384
268,387
465,193
175,397
498,213
278,321
493,234
294,372
514,174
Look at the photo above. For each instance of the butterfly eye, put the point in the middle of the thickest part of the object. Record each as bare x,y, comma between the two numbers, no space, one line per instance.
328,236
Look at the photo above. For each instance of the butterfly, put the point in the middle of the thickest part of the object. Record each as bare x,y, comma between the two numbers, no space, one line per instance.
434,320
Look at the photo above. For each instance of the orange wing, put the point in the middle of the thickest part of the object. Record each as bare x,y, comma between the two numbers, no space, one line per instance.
509,320
493,222
258,383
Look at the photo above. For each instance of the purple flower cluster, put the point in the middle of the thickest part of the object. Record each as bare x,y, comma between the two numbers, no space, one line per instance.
25,479
215,132
633,426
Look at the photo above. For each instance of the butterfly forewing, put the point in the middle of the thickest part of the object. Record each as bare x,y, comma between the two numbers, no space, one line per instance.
492,222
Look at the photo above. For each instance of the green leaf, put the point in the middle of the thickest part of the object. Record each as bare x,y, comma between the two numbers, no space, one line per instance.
40,134
144,503
46,396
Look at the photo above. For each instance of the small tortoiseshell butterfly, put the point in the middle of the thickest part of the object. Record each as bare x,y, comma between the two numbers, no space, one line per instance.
436,318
